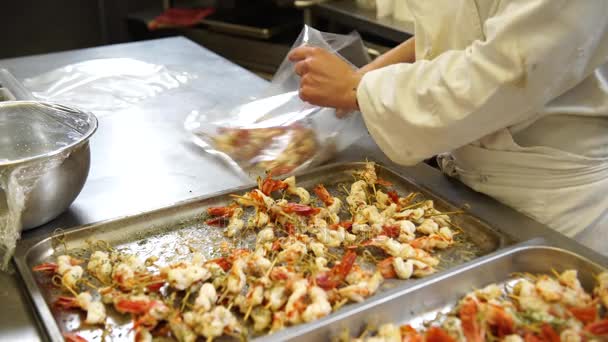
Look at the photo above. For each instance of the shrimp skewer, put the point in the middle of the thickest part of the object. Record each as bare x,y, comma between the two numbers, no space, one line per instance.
96,311
67,267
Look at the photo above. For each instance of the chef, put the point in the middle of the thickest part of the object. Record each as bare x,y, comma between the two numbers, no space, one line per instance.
515,90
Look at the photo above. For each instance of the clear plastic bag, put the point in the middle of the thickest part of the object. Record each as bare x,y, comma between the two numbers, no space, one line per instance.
105,85
278,132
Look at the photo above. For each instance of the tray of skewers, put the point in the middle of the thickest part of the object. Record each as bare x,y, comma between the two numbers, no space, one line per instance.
260,262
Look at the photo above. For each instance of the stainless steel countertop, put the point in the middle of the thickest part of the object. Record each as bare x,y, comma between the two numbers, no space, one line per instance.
142,159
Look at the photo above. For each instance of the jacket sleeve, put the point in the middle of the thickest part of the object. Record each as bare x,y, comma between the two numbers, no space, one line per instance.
533,51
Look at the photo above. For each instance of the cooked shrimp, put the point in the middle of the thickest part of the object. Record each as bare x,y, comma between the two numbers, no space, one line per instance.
410,214
71,276
319,307
570,279
257,199
100,266
212,324
236,277
262,318
335,207
96,311
528,298
431,242
235,224
549,288
292,250
258,264
65,263
488,293
183,275
181,331
411,267
259,219
357,197
334,238
428,227
382,199
389,333
278,321
321,264
388,212
370,215
295,304
206,298
276,297
407,231
365,288
403,250
265,235
369,174
514,338
567,335
573,292
254,297
297,191
318,248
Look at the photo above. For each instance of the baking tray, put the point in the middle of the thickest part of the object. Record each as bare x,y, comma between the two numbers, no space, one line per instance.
439,294
172,232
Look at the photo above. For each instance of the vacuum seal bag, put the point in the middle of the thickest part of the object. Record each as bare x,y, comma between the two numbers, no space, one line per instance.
277,132
106,85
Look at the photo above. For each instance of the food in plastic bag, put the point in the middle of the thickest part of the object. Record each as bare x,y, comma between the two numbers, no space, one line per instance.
245,145
278,132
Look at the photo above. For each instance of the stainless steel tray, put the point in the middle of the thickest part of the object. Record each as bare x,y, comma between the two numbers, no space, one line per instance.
438,294
171,233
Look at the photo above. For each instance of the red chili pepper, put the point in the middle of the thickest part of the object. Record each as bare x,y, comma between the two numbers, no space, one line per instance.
300,209
331,279
224,263
157,283
599,328
383,182
323,194
436,334
216,221
548,334
394,196
391,231
348,225
270,185
220,211
585,315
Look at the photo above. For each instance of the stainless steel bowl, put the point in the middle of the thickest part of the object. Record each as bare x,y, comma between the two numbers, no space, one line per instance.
26,144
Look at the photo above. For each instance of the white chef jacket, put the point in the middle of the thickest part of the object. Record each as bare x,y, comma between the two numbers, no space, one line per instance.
517,90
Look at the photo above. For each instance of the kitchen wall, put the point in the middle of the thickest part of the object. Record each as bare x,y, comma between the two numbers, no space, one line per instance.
42,26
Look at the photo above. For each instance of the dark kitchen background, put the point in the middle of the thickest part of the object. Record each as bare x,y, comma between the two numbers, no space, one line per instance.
253,33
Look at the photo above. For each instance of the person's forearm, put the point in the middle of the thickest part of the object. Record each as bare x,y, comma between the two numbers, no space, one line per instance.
403,53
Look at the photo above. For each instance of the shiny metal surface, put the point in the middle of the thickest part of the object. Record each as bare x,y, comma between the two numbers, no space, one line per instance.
159,232
346,12
142,160
35,132
440,293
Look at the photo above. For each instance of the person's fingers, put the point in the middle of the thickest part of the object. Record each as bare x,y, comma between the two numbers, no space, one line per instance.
301,67
300,53
305,93
342,113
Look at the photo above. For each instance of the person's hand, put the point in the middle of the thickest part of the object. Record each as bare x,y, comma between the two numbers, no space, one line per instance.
326,79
